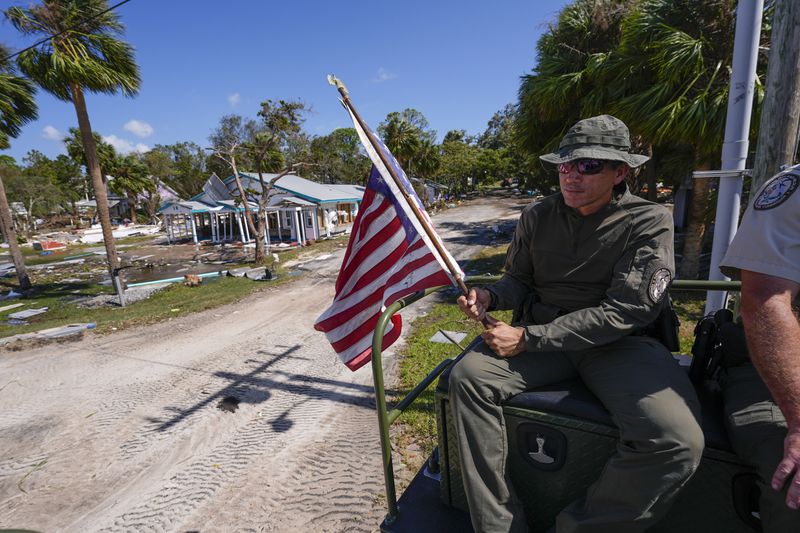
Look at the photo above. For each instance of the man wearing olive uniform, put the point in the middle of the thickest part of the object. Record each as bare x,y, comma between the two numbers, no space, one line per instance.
591,265
766,254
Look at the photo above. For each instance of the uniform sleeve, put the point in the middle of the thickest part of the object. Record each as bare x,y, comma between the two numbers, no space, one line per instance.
517,281
768,240
633,300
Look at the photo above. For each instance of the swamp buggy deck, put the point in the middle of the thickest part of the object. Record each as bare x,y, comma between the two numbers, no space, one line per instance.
559,437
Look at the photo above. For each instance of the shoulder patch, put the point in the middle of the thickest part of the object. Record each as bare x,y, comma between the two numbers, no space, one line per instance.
776,191
659,283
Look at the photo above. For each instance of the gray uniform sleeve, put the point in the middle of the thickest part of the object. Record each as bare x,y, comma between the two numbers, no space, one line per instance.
632,301
768,240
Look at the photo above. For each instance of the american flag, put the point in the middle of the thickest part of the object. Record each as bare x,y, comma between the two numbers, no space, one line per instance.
389,256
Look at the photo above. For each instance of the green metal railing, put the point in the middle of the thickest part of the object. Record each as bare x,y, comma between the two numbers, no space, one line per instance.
387,417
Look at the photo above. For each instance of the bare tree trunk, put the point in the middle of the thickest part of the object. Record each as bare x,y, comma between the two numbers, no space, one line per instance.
76,216
261,234
248,216
132,206
780,116
11,237
696,229
100,192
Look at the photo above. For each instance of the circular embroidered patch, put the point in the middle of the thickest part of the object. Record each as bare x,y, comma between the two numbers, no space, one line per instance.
776,191
659,284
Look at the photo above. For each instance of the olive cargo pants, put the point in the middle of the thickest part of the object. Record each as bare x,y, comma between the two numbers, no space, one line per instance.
757,428
650,399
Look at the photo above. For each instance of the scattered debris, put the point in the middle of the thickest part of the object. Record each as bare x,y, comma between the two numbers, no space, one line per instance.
9,307
192,280
238,272
48,246
36,467
19,315
448,337
50,334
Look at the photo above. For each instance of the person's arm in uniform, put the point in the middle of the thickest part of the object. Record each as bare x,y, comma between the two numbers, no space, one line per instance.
633,299
516,283
766,252
773,339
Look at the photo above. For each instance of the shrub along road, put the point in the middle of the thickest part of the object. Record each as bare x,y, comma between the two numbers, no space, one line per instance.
238,418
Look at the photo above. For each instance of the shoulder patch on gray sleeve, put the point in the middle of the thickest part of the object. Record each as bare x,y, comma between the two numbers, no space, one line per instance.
659,283
776,191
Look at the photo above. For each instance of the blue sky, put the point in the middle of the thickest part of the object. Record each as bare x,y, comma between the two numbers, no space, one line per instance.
458,62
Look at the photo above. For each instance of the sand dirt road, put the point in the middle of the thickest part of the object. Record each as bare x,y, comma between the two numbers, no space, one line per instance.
124,432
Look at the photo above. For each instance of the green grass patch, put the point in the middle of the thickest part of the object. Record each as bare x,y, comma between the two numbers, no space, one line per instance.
420,356
62,299
175,300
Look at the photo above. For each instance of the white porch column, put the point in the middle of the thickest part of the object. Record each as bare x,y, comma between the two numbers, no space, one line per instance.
194,229
239,222
297,221
168,227
280,236
246,226
315,224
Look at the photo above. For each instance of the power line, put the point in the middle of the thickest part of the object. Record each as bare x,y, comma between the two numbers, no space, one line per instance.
34,45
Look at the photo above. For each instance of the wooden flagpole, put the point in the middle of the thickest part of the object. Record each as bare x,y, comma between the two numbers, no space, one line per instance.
425,225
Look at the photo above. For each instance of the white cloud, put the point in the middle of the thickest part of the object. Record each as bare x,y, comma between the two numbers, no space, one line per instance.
234,98
384,75
49,132
138,128
124,146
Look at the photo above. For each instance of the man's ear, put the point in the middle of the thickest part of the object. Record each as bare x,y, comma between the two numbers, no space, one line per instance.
621,173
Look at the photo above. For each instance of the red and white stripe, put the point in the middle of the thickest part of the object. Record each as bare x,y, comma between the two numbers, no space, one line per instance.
379,267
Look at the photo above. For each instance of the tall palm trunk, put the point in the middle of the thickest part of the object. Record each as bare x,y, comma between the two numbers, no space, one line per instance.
696,229
11,236
133,207
100,192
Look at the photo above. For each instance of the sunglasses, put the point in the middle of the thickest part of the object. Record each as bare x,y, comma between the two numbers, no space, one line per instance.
586,167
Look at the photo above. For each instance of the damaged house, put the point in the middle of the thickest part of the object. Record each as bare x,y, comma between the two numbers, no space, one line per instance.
298,210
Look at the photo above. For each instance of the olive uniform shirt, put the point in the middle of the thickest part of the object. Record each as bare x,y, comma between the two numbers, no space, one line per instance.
604,276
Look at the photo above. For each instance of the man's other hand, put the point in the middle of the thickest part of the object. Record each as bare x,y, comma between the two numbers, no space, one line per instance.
504,340
789,469
475,303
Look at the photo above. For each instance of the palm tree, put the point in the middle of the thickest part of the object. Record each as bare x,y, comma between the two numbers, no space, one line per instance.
402,138
131,178
82,54
662,66
563,88
17,107
675,59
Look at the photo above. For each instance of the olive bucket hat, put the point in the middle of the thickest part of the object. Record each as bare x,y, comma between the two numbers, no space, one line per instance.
604,137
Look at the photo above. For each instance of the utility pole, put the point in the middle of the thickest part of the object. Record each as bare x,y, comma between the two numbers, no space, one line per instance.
780,116
735,145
